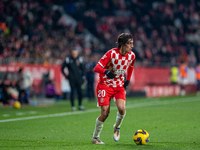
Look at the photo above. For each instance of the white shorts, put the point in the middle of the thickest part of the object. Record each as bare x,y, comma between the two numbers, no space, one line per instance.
184,81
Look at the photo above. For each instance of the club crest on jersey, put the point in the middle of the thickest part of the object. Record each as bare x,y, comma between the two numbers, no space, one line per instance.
118,72
116,62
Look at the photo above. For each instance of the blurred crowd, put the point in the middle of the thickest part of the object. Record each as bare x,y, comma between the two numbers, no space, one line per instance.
15,86
44,31
165,32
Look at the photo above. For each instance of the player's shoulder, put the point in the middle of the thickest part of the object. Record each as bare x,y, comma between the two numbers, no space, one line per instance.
110,53
132,53
113,50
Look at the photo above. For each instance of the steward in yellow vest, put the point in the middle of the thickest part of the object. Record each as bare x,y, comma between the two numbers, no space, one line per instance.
174,75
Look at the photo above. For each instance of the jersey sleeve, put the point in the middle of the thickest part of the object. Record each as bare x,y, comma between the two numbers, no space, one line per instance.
105,59
130,70
99,69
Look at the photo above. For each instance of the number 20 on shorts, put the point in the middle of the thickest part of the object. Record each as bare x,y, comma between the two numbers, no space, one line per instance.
101,93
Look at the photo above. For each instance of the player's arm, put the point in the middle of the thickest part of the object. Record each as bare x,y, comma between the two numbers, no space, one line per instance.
130,71
99,68
129,74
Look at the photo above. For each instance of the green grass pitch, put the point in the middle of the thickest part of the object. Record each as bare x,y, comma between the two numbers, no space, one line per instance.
172,122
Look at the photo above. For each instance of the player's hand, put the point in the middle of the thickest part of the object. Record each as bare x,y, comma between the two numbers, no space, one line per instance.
126,83
109,74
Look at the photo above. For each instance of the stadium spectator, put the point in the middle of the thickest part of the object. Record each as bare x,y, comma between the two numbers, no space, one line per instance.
197,70
183,69
5,97
24,85
46,78
174,74
76,76
164,31
112,68
38,32
50,89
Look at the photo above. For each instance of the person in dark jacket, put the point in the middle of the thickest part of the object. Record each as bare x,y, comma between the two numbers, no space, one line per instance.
76,76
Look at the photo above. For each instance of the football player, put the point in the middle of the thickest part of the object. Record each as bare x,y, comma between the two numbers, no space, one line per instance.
112,68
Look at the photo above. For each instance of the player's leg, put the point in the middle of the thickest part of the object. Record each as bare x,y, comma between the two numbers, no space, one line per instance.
120,102
120,116
121,111
104,94
72,86
105,110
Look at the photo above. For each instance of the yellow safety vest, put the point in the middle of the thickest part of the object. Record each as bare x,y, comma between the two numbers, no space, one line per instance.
174,74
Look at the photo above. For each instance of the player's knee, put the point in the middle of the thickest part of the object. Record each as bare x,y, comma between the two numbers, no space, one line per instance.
121,110
105,116
105,113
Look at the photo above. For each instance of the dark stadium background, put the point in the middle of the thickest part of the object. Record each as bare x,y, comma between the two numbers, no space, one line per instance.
40,34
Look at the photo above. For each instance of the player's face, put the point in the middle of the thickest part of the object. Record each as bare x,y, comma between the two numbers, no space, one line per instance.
128,46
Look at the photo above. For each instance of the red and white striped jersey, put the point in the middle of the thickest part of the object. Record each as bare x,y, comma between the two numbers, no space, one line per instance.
118,64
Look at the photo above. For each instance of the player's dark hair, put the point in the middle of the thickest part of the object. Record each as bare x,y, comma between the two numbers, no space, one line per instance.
123,39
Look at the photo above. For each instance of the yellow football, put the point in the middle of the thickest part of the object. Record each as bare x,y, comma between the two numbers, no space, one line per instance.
141,137
17,104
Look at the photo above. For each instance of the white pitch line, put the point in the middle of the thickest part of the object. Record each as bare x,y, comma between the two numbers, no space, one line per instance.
145,104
